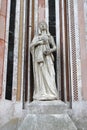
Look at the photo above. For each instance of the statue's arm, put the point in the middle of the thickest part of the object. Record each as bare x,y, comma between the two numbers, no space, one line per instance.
35,42
53,45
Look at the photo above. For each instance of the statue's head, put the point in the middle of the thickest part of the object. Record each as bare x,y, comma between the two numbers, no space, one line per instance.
42,26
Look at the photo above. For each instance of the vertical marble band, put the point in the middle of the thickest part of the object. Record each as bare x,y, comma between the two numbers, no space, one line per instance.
6,49
78,53
64,48
70,54
19,73
35,16
16,43
29,41
82,9
47,12
0,3
58,64
41,10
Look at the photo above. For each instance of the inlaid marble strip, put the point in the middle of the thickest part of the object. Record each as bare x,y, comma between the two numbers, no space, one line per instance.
31,35
41,11
69,53
58,59
16,43
72,52
33,18
0,3
20,52
64,50
47,12
2,41
23,55
29,41
78,53
85,18
83,33
6,49
36,16
83,50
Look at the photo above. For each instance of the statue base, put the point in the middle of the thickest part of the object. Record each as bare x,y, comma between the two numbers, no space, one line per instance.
47,122
43,115
47,107
47,115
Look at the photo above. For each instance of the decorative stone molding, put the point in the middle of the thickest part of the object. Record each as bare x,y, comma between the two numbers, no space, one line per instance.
78,53
74,52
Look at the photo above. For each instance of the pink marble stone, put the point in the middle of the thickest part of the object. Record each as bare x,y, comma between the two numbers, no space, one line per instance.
41,4
3,7
83,49
1,63
2,27
3,12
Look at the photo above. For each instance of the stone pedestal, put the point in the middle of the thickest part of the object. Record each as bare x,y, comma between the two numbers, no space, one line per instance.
47,107
43,115
47,122
47,115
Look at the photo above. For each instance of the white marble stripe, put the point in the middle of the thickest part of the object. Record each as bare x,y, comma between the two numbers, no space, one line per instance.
29,41
6,49
47,12
64,51
23,46
35,16
16,42
58,65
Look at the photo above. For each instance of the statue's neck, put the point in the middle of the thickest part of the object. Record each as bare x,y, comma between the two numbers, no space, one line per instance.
43,32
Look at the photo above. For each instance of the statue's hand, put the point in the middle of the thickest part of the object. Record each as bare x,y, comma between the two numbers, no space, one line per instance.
47,52
40,42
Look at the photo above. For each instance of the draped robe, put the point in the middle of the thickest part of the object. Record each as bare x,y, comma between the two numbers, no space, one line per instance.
44,74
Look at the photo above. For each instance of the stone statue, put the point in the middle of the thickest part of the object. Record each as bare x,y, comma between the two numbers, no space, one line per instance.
41,48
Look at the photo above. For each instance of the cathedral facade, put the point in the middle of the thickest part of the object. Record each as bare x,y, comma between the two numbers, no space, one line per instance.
67,23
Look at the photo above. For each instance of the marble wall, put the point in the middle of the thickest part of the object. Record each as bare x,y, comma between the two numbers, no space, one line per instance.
3,5
82,16
41,4
43,14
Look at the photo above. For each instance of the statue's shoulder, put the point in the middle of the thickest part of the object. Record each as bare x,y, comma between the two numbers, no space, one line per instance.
49,35
34,38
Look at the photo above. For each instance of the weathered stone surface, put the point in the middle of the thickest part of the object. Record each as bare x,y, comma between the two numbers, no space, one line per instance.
81,123
11,125
47,122
43,115
47,107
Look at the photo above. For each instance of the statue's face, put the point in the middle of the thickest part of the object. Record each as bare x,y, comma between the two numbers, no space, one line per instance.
43,26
